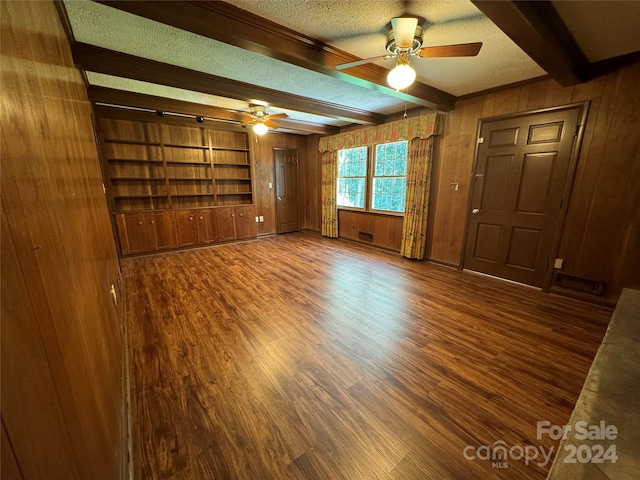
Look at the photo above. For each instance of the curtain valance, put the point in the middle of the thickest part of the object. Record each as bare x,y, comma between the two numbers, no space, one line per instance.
418,127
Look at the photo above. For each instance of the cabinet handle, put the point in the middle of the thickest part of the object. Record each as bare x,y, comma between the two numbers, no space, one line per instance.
190,218
241,214
201,218
152,222
140,223
233,214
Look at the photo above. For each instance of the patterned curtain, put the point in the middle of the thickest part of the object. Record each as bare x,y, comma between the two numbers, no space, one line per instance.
419,131
329,207
418,127
414,227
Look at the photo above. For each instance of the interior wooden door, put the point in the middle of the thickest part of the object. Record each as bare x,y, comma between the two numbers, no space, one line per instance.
521,173
287,193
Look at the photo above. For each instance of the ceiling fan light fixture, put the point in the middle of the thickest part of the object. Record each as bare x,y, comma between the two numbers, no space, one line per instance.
403,74
260,128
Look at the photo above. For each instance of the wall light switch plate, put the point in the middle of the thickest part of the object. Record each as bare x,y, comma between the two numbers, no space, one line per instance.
270,185
261,218
454,186
558,263
257,219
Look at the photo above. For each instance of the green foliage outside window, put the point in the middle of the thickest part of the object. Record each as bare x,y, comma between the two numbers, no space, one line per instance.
352,174
389,181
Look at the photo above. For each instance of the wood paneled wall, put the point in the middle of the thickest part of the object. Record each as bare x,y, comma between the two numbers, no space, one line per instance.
385,230
62,340
264,173
601,233
311,182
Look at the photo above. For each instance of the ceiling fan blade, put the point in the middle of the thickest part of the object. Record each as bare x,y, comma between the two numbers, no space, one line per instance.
459,50
404,29
278,115
342,66
270,124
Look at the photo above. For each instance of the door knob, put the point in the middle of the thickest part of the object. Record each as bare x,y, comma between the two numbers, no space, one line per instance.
475,211
279,199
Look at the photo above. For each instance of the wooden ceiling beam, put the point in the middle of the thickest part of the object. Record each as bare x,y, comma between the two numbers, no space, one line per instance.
538,30
102,60
110,96
231,25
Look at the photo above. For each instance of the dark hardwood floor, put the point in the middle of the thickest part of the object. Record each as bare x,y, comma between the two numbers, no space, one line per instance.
299,357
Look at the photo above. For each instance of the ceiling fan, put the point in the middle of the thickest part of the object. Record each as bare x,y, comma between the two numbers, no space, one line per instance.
260,119
405,41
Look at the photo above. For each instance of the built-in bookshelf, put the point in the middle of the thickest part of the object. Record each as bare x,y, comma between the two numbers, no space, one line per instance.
151,165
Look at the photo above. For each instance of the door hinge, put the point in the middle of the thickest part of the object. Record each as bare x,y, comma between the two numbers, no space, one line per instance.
104,189
480,140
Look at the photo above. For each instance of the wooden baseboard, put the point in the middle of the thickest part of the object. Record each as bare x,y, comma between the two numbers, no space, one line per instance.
442,262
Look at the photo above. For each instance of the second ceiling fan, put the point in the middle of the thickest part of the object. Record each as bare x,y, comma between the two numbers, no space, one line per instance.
260,119
405,41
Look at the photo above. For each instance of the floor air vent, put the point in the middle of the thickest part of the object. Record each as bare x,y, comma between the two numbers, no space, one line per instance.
367,237
579,284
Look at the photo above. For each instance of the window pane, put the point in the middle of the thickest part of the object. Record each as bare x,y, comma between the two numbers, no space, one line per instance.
352,162
391,159
389,182
389,194
350,192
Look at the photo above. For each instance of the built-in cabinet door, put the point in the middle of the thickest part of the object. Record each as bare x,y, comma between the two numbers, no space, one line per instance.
136,233
186,228
146,232
207,229
245,222
225,223
164,227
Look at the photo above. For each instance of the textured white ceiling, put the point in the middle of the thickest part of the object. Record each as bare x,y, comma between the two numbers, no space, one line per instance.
126,84
107,27
360,27
602,29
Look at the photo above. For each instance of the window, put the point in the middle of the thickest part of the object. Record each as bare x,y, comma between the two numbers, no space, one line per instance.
385,179
390,177
352,176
